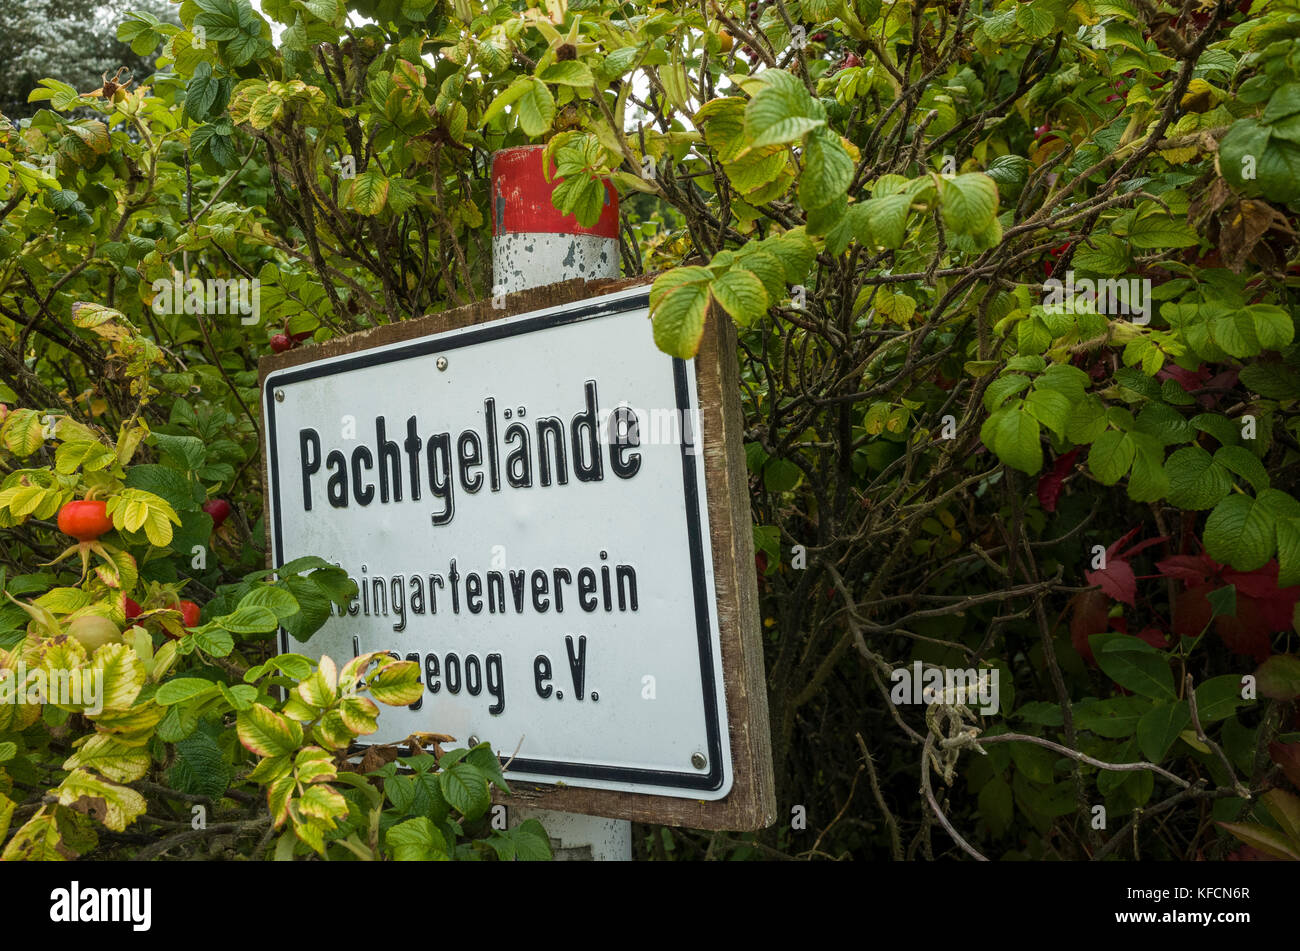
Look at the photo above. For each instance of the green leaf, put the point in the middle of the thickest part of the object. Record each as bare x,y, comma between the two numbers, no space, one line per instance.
397,684
1108,256
1218,698
969,201
115,806
1244,463
367,192
276,600
536,108
1279,677
167,484
266,733
180,689
1015,438
1196,480
416,840
781,112
248,618
887,219
1113,719
995,806
1240,532
1147,480
827,170
679,310
1159,728
1050,408
1034,19
1033,760
1269,841
1111,456
200,769
568,73
741,294
1158,231
466,788
1134,665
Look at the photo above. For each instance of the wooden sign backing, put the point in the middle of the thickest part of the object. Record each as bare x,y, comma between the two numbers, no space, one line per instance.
751,804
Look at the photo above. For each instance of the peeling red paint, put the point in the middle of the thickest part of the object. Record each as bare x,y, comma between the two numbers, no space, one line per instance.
521,198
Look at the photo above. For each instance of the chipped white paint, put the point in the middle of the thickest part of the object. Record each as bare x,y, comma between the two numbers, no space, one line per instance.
521,261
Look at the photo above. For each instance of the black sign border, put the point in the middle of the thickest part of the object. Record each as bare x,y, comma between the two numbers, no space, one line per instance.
495,330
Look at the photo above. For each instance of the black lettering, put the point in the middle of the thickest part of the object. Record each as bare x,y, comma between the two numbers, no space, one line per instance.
627,434
450,663
494,467
453,576
626,573
431,673
517,589
577,662
361,455
553,427
337,487
412,447
561,574
473,675
415,656
473,592
496,684
540,602
587,587
542,676
440,480
470,451
398,588
389,464
583,429
496,592
519,464
309,457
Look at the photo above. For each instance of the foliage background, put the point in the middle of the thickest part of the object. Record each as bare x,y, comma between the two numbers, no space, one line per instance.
876,194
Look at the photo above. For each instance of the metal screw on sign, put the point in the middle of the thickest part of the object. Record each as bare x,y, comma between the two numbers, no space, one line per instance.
473,741
698,760
279,396
441,363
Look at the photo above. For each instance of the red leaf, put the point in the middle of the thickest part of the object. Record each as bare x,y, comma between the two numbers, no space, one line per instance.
1189,380
1192,610
1155,637
1248,632
1262,607
1260,583
1141,545
1049,484
1117,580
1193,569
1087,617
1287,755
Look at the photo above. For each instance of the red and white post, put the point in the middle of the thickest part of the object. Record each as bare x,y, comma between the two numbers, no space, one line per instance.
534,244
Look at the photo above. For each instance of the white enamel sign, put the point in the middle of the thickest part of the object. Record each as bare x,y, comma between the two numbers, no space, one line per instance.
522,506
